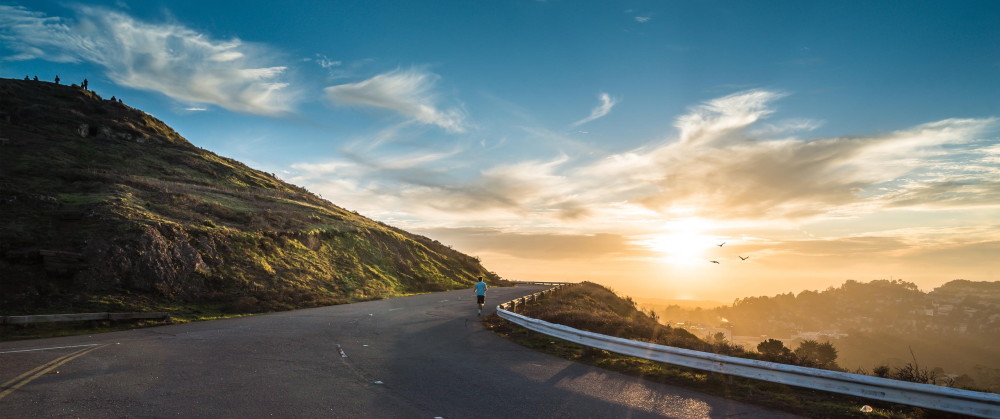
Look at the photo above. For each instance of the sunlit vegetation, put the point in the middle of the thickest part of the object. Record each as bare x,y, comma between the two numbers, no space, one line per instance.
887,328
595,308
106,208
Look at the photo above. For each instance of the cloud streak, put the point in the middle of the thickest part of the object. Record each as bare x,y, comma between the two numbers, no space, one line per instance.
719,164
167,58
716,167
546,246
602,110
406,92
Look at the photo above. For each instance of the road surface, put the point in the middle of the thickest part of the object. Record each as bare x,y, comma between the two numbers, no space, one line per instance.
425,356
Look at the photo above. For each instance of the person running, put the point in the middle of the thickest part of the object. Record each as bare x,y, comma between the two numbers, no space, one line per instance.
480,288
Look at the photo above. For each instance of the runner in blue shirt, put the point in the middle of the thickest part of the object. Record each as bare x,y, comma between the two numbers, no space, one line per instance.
480,288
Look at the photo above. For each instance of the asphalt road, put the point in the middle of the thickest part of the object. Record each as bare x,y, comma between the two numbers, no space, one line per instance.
423,356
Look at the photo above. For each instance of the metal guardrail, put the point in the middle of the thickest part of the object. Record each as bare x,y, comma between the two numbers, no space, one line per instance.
512,304
946,399
539,283
49,318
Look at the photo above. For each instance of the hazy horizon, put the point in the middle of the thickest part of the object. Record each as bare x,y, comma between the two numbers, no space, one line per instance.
619,143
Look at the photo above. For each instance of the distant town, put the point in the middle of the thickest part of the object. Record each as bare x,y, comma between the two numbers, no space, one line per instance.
874,323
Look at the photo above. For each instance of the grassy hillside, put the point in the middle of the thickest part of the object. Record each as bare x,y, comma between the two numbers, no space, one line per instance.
107,208
592,307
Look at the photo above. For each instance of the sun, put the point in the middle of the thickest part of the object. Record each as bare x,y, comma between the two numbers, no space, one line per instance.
683,242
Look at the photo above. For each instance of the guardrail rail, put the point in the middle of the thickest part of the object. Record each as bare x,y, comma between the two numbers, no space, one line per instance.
930,396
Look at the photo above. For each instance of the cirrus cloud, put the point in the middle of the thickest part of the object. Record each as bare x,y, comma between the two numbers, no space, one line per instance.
719,164
602,110
405,92
167,58
715,165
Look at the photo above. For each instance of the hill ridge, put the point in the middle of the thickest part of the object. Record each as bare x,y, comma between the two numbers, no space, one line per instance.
106,200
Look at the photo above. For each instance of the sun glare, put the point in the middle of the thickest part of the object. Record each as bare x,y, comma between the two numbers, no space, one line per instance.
683,242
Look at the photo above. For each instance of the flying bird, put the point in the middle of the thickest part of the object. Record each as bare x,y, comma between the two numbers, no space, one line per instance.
720,245
743,258
714,261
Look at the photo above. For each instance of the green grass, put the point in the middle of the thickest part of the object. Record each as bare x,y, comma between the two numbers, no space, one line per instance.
594,308
152,206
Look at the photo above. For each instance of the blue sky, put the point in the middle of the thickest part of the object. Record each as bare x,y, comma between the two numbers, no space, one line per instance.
612,141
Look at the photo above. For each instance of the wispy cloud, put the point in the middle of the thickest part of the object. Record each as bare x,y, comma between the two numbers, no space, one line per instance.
715,119
520,188
717,167
724,162
419,185
784,127
168,58
407,92
959,176
326,62
607,102
547,246
642,19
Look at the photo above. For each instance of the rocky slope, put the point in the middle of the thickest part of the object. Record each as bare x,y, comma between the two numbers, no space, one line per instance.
105,206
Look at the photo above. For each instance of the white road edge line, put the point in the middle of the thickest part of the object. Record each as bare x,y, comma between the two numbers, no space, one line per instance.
48,349
341,350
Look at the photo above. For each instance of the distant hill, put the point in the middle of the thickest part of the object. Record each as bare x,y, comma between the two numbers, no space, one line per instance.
657,304
955,327
961,290
106,207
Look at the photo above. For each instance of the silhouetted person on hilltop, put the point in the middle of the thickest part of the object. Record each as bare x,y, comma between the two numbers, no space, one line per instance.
36,78
57,79
26,78
84,84
112,98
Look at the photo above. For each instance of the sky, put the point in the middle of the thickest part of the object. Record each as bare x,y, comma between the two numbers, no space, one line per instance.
634,144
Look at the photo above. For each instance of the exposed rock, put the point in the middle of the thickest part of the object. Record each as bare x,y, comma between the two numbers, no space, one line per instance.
147,260
105,132
123,136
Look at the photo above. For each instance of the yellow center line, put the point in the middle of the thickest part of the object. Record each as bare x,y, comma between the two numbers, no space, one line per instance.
21,380
8,383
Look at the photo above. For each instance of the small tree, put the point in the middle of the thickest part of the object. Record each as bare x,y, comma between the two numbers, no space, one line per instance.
775,351
820,355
